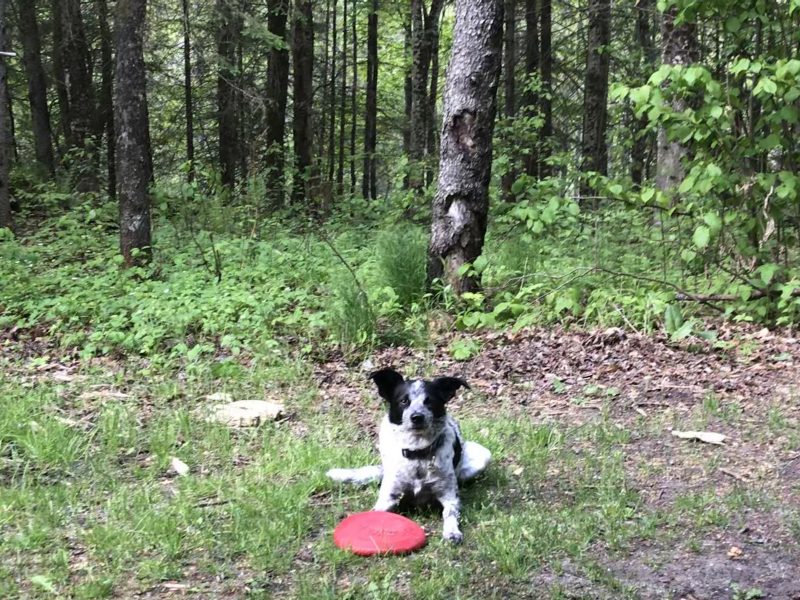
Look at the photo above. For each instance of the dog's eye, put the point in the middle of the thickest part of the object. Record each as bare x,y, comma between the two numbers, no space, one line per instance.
404,402
427,401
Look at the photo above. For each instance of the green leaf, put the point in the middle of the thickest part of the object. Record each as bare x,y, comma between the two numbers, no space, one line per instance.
701,236
640,95
673,318
44,583
688,255
713,221
741,65
767,272
682,332
715,111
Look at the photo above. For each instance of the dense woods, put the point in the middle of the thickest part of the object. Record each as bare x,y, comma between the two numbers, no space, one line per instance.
649,146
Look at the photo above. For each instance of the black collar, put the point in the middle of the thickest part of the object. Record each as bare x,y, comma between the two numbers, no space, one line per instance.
426,452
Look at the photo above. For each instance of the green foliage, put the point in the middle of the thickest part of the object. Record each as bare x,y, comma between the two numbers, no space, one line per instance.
402,259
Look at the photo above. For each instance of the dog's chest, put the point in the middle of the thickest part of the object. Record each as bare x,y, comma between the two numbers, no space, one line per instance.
424,477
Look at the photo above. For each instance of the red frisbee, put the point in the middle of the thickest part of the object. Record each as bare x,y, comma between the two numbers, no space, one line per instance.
378,532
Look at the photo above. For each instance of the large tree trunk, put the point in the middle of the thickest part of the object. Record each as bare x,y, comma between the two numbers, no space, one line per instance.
509,80
105,112
134,163
546,75
678,47
277,90
187,91
530,98
229,31
594,153
79,76
37,85
5,200
461,205
303,61
368,184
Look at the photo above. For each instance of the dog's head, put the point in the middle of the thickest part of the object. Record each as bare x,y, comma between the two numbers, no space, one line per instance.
416,404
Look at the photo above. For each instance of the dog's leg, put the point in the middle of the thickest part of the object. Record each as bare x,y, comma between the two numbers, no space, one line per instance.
389,495
451,511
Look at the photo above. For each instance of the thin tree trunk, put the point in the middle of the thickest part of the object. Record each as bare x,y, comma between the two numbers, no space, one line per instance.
277,90
79,78
323,128
678,47
59,71
332,99
531,98
134,163
187,91
303,62
461,205
432,24
229,32
644,38
509,105
353,103
105,111
368,185
5,200
420,65
342,104
408,96
594,155
546,75
37,85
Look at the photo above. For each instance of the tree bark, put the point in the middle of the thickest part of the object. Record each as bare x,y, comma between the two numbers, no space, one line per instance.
79,76
277,90
303,62
342,104
546,76
644,39
509,80
105,112
433,24
5,200
134,163
332,98
187,91
60,72
229,30
353,102
37,86
408,98
368,184
530,98
678,47
594,155
461,205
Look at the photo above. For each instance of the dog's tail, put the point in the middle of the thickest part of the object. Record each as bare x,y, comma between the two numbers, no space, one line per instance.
359,476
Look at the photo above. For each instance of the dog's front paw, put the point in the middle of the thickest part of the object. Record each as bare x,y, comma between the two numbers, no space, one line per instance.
454,537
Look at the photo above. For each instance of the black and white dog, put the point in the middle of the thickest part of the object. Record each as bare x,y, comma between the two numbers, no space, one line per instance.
422,452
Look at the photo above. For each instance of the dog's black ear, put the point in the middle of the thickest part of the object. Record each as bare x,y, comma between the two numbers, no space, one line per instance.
386,380
448,386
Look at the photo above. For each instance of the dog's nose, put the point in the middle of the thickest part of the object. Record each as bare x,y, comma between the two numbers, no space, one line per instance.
417,419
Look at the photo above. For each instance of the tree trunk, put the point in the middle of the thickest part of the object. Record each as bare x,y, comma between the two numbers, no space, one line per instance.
5,200
229,32
678,47
79,77
303,62
277,90
368,184
134,163
594,153
432,25
509,80
408,99
332,99
60,72
644,38
462,200
530,98
546,75
353,103
37,86
342,104
105,112
187,91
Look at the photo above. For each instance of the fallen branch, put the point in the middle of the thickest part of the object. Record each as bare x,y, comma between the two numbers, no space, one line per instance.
683,297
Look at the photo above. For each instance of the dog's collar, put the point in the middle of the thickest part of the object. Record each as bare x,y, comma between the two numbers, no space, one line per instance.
426,452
